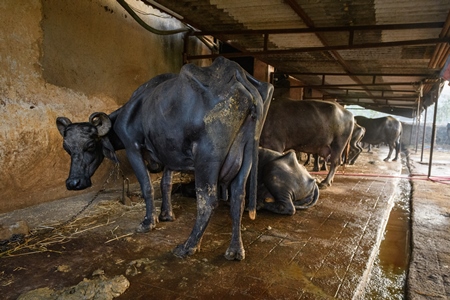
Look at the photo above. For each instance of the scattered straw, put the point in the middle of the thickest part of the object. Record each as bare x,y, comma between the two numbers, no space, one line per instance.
118,237
43,237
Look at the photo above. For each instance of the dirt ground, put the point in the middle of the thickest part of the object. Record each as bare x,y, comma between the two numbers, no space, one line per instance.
325,252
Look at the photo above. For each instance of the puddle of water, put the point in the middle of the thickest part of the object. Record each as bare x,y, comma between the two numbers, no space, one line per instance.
388,278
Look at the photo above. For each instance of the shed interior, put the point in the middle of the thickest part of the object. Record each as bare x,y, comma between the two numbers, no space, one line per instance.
388,56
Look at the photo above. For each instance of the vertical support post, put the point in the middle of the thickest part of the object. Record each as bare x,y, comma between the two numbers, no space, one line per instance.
423,134
418,114
266,41
433,133
417,131
185,47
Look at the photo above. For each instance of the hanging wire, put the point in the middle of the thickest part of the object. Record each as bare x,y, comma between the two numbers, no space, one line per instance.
148,27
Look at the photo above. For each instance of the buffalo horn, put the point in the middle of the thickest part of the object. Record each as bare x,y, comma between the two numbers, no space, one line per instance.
101,121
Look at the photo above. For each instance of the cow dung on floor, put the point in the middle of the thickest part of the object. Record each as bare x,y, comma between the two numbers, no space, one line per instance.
99,288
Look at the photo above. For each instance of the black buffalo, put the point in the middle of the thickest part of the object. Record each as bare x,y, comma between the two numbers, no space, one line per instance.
283,184
207,120
355,143
316,127
386,130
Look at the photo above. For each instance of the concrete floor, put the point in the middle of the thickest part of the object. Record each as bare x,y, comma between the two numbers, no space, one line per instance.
429,272
325,252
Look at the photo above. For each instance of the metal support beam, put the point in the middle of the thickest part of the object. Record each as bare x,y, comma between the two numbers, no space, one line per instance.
325,48
312,29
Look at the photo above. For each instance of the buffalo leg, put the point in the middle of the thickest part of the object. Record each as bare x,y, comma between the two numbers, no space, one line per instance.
329,179
355,154
316,163
391,148
308,159
397,150
236,249
140,170
334,162
207,200
324,163
166,190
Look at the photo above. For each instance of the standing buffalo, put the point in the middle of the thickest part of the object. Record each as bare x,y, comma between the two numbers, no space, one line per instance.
317,127
206,120
283,184
355,143
386,130
353,153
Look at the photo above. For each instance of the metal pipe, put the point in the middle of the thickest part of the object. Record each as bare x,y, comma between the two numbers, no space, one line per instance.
410,176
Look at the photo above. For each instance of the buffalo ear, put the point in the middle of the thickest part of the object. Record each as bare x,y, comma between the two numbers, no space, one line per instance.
62,123
108,150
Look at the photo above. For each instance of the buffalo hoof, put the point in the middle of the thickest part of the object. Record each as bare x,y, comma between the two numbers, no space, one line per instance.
386,159
142,228
233,254
323,185
145,226
166,217
181,252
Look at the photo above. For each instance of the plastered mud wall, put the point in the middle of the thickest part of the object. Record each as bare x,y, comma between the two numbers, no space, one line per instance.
60,58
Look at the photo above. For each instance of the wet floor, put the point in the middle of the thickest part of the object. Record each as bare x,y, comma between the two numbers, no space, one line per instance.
325,252
388,277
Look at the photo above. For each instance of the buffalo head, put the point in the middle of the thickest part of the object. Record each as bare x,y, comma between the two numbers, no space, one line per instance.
87,144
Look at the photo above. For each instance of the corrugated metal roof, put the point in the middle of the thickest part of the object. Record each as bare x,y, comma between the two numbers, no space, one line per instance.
366,52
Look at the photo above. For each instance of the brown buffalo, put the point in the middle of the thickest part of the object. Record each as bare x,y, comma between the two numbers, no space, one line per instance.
316,127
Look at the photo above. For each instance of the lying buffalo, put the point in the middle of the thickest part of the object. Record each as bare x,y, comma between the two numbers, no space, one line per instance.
386,130
207,120
283,184
316,127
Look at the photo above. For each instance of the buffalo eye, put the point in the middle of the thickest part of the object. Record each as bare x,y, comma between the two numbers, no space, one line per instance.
90,146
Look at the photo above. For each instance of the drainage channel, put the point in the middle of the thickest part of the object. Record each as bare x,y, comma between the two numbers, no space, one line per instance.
390,270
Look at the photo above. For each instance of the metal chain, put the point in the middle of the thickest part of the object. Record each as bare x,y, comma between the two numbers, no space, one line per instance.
5,245
117,170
